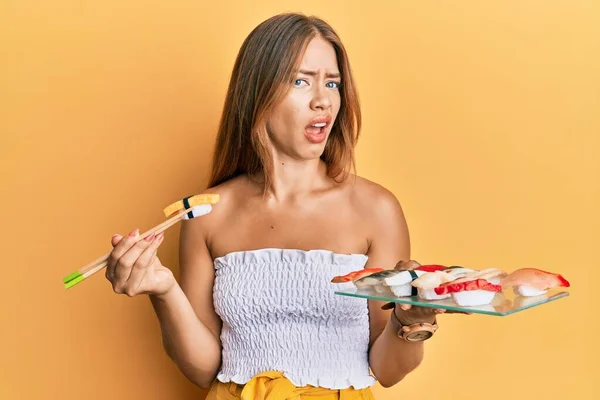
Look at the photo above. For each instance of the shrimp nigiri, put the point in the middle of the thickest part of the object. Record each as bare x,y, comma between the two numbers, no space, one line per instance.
355,275
533,281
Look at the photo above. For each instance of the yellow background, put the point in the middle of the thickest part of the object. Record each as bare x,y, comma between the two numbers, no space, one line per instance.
481,116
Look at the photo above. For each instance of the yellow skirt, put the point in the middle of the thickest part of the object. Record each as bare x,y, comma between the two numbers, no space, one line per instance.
272,385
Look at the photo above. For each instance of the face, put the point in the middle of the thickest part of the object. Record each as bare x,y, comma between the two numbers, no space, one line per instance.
300,125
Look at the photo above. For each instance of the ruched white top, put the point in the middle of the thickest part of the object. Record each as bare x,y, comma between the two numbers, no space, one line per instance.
280,313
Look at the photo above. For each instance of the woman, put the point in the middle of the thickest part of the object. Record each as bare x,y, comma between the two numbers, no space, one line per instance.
253,313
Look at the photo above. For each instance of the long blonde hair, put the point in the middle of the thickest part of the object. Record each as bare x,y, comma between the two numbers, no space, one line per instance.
263,70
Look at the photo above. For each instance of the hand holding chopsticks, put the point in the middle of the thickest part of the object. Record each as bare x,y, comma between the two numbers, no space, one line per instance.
134,268
187,208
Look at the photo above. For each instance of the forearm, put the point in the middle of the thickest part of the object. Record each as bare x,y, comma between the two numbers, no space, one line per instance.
391,358
187,341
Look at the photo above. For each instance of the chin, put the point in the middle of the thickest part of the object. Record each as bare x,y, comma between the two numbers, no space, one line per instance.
313,150
312,154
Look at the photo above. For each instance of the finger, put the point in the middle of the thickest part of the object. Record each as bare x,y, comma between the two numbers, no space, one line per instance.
458,312
126,262
412,264
405,307
110,267
142,265
119,249
439,311
400,265
407,265
116,238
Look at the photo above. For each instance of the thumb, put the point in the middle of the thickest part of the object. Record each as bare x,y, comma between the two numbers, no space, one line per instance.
116,238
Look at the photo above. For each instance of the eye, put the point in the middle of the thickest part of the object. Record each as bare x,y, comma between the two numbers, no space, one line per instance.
333,85
298,82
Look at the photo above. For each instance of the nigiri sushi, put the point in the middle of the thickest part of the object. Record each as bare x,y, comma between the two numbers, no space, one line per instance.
458,271
533,281
375,280
427,282
492,275
469,292
431,268
352,276
401,283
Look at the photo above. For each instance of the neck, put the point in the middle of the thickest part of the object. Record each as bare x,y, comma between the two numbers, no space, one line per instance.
293,178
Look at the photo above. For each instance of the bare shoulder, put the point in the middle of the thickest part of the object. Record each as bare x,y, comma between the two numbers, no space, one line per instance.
382,217
374,199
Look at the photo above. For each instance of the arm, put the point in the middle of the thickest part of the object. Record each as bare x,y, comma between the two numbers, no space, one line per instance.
391,358
189,325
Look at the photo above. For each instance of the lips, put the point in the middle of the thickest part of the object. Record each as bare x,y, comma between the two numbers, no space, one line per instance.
320,121
316,130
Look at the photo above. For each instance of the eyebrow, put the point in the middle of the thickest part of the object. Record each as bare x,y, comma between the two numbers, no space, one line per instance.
314,73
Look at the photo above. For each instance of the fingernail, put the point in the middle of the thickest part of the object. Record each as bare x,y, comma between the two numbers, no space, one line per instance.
149,238
160,237
134,233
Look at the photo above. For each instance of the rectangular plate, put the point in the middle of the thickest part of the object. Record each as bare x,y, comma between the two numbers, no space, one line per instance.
503,303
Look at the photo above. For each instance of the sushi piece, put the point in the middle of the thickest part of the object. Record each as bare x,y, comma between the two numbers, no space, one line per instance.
431,268
458,271
533,282
375,280
427,282
466,292
352,276
401,283
492,275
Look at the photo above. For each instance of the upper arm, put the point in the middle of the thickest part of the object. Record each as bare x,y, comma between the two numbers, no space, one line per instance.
197,273
389,242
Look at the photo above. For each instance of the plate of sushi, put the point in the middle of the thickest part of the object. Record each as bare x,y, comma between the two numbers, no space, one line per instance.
489,291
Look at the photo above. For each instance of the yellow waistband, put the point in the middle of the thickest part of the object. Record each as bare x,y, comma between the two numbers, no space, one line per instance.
272,385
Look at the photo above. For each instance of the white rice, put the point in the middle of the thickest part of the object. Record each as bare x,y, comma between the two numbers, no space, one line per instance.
430,294
473,297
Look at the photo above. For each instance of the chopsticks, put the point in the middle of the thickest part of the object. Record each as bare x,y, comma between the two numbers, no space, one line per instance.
193,206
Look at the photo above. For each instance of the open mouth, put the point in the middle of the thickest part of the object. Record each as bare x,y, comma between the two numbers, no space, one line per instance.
316,131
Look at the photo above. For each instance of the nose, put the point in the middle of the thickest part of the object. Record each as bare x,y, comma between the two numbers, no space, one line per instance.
320,99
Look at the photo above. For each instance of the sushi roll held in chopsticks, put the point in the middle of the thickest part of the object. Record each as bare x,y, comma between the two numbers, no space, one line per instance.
533,282
185,209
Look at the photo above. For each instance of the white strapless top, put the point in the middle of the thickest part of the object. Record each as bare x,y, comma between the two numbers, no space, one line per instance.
280,313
